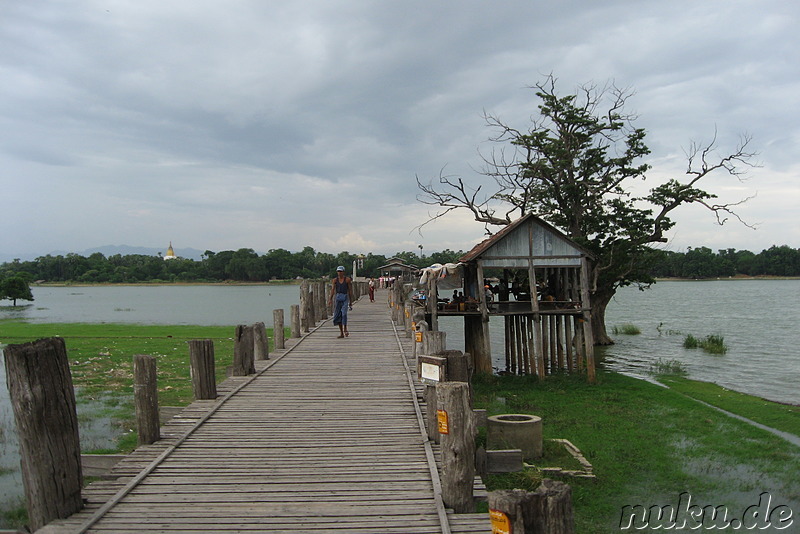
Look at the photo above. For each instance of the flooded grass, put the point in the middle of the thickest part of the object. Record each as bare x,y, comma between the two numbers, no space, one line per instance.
626,329
663,367
713,343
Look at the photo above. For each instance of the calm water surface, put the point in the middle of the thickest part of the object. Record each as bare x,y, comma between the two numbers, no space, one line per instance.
169,304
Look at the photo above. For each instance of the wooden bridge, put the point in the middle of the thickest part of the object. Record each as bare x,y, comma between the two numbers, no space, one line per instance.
327,436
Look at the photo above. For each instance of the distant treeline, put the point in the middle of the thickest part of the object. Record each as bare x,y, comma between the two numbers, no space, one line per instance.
245,265
702,262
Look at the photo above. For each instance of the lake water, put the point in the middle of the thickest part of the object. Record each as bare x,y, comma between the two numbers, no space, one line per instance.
757,318
168,304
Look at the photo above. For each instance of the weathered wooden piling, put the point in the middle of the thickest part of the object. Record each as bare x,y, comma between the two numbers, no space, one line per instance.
305,304
145,398
43,401
278,334
202,368
321,291
260,342
457,429
243,357
548,510
433,343
294,312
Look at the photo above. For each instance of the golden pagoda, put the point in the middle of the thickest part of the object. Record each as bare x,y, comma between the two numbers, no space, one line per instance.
170,255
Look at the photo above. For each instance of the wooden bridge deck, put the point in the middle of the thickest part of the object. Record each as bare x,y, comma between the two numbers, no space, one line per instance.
326,437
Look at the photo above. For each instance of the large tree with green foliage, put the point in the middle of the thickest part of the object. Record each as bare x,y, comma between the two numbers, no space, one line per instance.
575,166
15,288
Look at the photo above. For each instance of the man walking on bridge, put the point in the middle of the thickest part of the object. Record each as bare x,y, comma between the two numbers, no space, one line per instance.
342,292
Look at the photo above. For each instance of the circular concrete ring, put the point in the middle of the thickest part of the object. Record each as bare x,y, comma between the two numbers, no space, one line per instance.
515,431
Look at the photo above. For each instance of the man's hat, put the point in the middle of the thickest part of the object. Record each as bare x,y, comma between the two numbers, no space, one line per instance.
340,268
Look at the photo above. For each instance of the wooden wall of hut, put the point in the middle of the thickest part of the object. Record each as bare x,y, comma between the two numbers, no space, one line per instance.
543,344
557,336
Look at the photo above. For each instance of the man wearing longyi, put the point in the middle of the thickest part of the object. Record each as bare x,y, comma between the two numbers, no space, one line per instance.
342,298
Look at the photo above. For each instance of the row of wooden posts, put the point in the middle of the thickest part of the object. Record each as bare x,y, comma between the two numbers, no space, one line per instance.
451,422
43,399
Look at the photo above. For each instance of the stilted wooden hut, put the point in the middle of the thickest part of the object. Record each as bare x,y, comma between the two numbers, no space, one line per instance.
395,268
536,279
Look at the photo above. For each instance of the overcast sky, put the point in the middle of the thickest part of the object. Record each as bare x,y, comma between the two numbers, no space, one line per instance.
262,124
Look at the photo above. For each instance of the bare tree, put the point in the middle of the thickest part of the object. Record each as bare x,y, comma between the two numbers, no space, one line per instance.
574,167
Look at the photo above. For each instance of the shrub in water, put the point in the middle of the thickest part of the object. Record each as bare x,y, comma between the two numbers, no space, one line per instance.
714,344
627,329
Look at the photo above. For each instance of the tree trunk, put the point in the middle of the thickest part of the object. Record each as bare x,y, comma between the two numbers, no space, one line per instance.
599,302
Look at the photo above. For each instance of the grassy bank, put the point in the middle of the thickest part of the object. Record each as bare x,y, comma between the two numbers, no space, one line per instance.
101,355
784,417
649,444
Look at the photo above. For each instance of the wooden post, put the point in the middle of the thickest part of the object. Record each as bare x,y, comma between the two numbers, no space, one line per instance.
313,304
457,429
572,362
508,324
145,397
278,334
320,301
43,400
304,304
201,367
433,342
459,365
243,357
588,338
548,510
476,342
294,311
419,335
260,342
433,300
431,424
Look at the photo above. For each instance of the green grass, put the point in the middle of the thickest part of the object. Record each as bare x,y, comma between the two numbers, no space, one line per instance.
782,417
648,444
15,515
626,329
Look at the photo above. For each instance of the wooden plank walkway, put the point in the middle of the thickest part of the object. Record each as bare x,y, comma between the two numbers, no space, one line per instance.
326,437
